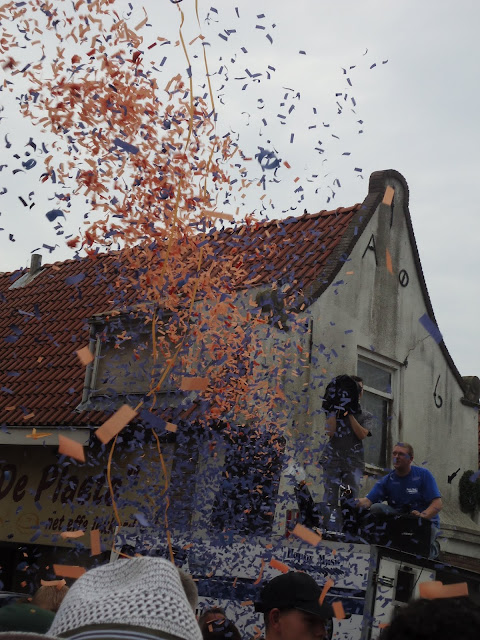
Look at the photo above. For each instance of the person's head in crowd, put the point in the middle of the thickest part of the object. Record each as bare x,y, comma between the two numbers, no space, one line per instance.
190,588
221,630
137,599
50,597
292,610
209,615
359,382
438,619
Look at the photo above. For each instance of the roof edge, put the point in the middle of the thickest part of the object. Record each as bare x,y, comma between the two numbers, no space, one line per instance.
378,183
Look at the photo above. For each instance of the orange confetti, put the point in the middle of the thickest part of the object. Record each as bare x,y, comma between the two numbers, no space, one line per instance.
95,546
217,214
53,583
388,196
434,589
85,356
115,423
338,610
68,570
456,590
37,436
279,566
306,534
72,534
68,447
350,273
388,261
383,625
429,589
171,427
246,603
194,384
260,574
326,587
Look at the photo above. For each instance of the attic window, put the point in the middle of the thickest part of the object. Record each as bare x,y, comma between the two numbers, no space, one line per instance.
124,363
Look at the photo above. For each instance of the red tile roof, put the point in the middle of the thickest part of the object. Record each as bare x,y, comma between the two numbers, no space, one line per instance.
43,323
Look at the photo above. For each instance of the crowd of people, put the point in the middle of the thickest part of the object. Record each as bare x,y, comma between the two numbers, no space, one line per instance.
145,598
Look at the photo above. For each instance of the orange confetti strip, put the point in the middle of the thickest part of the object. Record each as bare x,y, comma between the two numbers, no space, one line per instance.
280,393
260,574
425,589
388,261
53,583
85,356
68,570
350,273
388,196
171,427
456,590
72,534
194,384
383,625
246,603
37,436
115,423
434,589
95,546
217,214
279,566
326,587
68,447
338,610
306,534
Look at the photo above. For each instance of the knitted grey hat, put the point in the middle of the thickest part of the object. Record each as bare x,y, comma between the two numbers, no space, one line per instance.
140,597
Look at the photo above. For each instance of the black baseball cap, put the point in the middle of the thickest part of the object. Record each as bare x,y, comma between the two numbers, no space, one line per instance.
294,590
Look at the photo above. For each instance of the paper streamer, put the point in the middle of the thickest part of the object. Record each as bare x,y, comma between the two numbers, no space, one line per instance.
115,423
68,447
68,570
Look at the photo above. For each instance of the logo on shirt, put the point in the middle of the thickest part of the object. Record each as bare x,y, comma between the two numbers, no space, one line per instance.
412,490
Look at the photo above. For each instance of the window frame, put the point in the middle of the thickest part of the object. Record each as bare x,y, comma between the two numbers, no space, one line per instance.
98,324
394,368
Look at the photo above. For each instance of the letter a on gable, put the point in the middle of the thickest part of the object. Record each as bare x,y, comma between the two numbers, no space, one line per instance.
372,247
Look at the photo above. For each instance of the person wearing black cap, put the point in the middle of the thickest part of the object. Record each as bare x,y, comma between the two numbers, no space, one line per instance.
291,606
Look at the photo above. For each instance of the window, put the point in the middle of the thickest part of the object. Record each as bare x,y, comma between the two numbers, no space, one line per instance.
123,362
378,399
250,479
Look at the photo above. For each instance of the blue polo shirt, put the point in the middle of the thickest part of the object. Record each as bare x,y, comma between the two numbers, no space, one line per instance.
413,492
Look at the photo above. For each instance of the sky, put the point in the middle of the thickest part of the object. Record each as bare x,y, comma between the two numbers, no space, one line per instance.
345,88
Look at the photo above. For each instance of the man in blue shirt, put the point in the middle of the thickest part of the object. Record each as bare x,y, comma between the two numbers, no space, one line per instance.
407,490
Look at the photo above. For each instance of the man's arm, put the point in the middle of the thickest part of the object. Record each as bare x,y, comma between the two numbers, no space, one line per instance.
363,503
431,511
357,428
331,425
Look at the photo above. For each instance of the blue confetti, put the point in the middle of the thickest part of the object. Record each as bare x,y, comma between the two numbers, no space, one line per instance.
54,213
73,280
431,327
126,146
